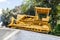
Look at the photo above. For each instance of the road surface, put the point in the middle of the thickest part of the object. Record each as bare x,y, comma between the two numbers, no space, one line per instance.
13,34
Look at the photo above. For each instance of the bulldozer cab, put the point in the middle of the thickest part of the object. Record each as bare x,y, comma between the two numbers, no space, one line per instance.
42,13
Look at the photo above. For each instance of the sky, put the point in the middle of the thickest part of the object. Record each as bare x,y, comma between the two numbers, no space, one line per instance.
9,4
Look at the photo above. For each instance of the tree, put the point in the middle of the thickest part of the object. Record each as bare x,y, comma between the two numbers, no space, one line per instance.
54,4
27,6
5,18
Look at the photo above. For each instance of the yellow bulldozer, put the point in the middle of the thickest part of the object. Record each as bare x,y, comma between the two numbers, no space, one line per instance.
37,23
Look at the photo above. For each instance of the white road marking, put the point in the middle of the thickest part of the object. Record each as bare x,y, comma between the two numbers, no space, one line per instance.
12,34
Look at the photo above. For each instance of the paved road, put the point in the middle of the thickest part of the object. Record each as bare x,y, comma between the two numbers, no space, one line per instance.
10,34
28,35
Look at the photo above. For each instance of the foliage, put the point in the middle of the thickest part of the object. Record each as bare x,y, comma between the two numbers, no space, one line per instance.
56,30
25,6
6,15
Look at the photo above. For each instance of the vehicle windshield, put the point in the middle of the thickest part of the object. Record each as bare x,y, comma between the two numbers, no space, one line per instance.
42,16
